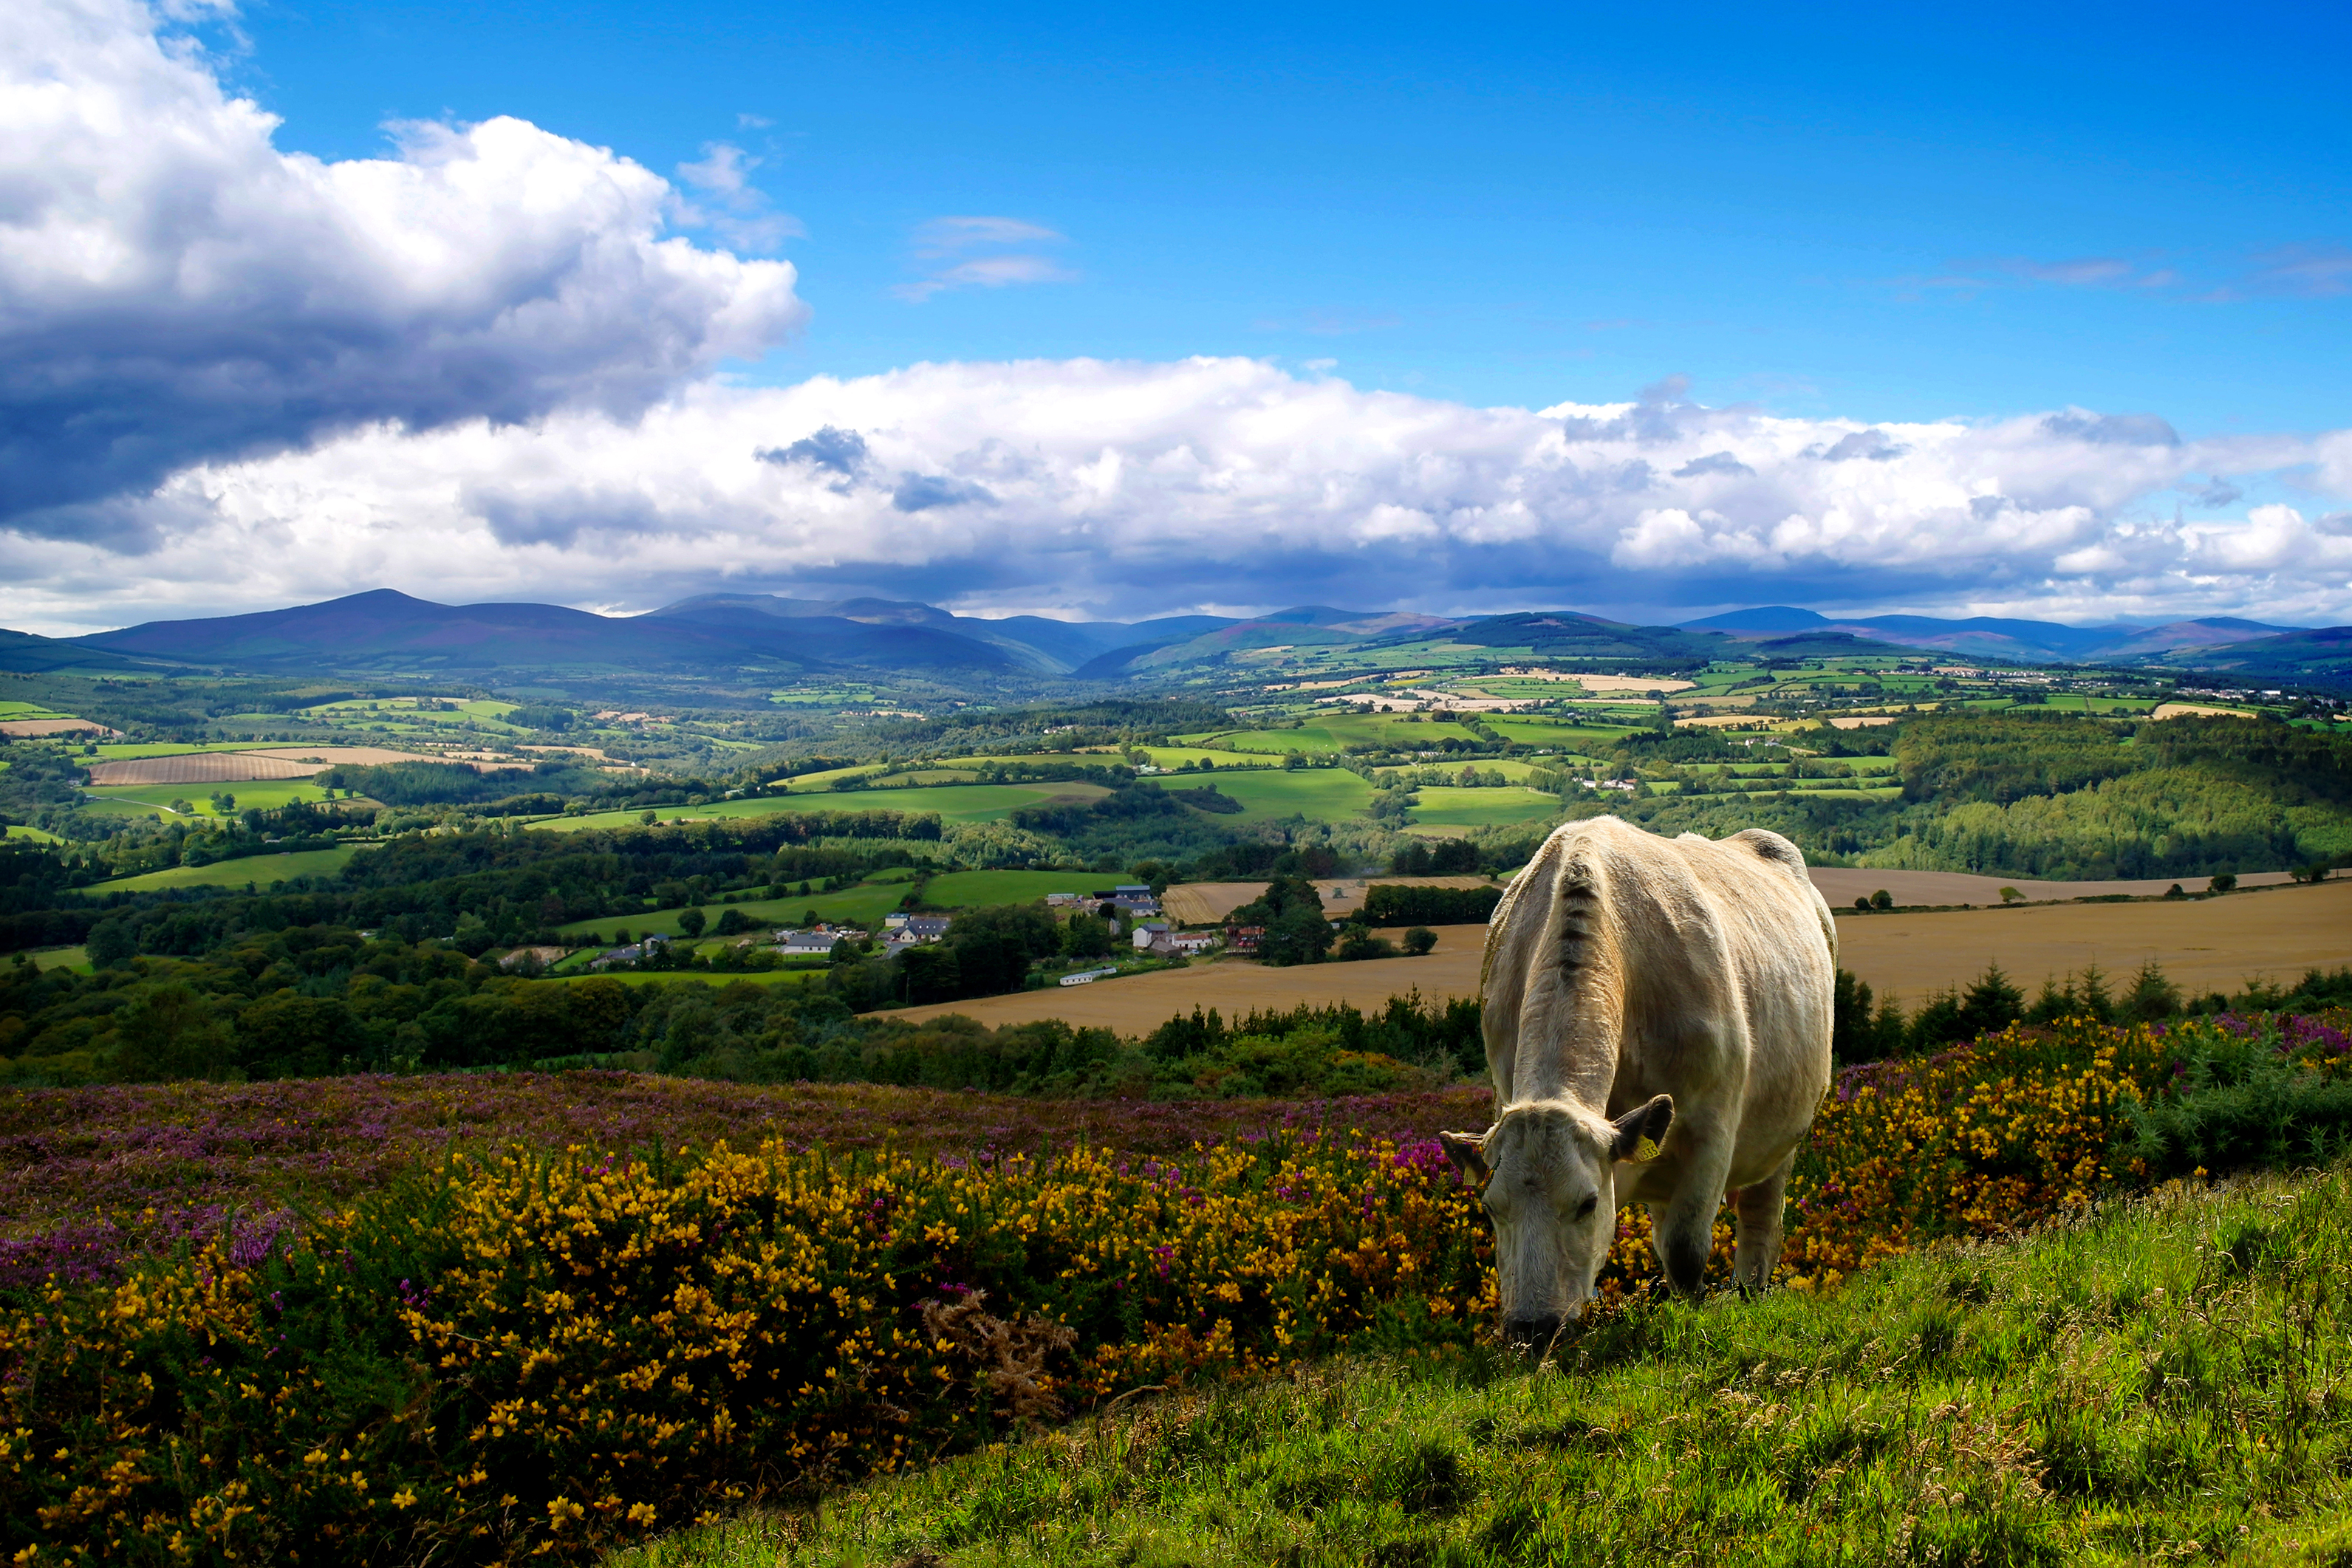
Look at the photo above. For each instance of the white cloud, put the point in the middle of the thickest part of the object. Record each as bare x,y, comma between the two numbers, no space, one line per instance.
737,211
174,288
1124,489
940,240
945,237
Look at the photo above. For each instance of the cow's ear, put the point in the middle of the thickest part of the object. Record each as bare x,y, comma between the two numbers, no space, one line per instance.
1641,1130
1468,1152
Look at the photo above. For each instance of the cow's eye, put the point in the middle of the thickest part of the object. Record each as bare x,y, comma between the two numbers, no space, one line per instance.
1584,1210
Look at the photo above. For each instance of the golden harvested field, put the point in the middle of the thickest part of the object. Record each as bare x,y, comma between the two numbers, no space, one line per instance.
1142,1003
2204,945
1841,887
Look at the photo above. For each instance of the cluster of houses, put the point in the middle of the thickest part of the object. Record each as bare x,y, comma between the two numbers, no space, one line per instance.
1128,901
1131,909
900,932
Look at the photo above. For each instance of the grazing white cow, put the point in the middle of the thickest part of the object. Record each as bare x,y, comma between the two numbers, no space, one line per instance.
1657,1021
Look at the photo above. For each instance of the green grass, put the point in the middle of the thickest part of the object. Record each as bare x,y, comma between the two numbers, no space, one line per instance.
31,835
1454,808
267,793
972,889
1546,732
2165,1381
132,751
74,959
863,904
709,976
955,802
1320,794
258,870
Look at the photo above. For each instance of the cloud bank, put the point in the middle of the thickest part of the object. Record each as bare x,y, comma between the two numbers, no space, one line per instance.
233,377
1120,487
174,289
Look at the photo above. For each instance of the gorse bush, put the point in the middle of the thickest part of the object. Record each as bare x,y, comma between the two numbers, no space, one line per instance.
531,1355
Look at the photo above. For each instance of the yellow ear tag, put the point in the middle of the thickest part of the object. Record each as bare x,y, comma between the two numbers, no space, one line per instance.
1646,1150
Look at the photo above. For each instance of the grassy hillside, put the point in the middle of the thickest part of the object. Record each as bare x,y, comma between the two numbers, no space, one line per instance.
258,870
2165,1381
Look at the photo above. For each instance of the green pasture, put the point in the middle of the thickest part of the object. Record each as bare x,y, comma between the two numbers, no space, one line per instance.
969,803
710,978
1171,757
1537,732
258,870
372,710
953,802
863,905
1508,766
29,835
268,794
972,889
1454,808
76,959
1314,740
1319,794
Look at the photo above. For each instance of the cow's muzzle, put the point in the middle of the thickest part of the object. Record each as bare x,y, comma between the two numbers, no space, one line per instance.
1532,1333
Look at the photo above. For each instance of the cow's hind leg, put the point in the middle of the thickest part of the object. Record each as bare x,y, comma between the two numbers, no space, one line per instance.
1761,1207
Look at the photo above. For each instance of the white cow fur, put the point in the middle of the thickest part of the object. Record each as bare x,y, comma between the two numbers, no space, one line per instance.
1640,987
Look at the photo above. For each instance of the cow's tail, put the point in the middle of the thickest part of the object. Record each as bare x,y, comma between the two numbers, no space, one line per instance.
1580,990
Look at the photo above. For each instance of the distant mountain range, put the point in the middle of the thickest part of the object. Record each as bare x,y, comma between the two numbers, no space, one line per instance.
1987,637
387,631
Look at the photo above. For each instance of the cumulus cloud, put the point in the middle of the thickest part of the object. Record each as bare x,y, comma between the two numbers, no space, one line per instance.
1125,488
175,289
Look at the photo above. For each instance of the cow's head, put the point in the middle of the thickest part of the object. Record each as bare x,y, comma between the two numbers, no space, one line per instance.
1550,1174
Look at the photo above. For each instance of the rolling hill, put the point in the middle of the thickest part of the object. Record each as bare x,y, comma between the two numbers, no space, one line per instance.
386,631
1992,637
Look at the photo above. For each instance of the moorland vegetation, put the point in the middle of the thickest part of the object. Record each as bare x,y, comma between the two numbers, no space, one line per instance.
541,1352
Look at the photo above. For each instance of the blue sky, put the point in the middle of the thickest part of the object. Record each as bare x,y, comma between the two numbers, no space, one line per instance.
1819,209
1106,313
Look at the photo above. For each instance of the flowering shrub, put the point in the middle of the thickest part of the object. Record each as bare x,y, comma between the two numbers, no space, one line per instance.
93,1177
533,1354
